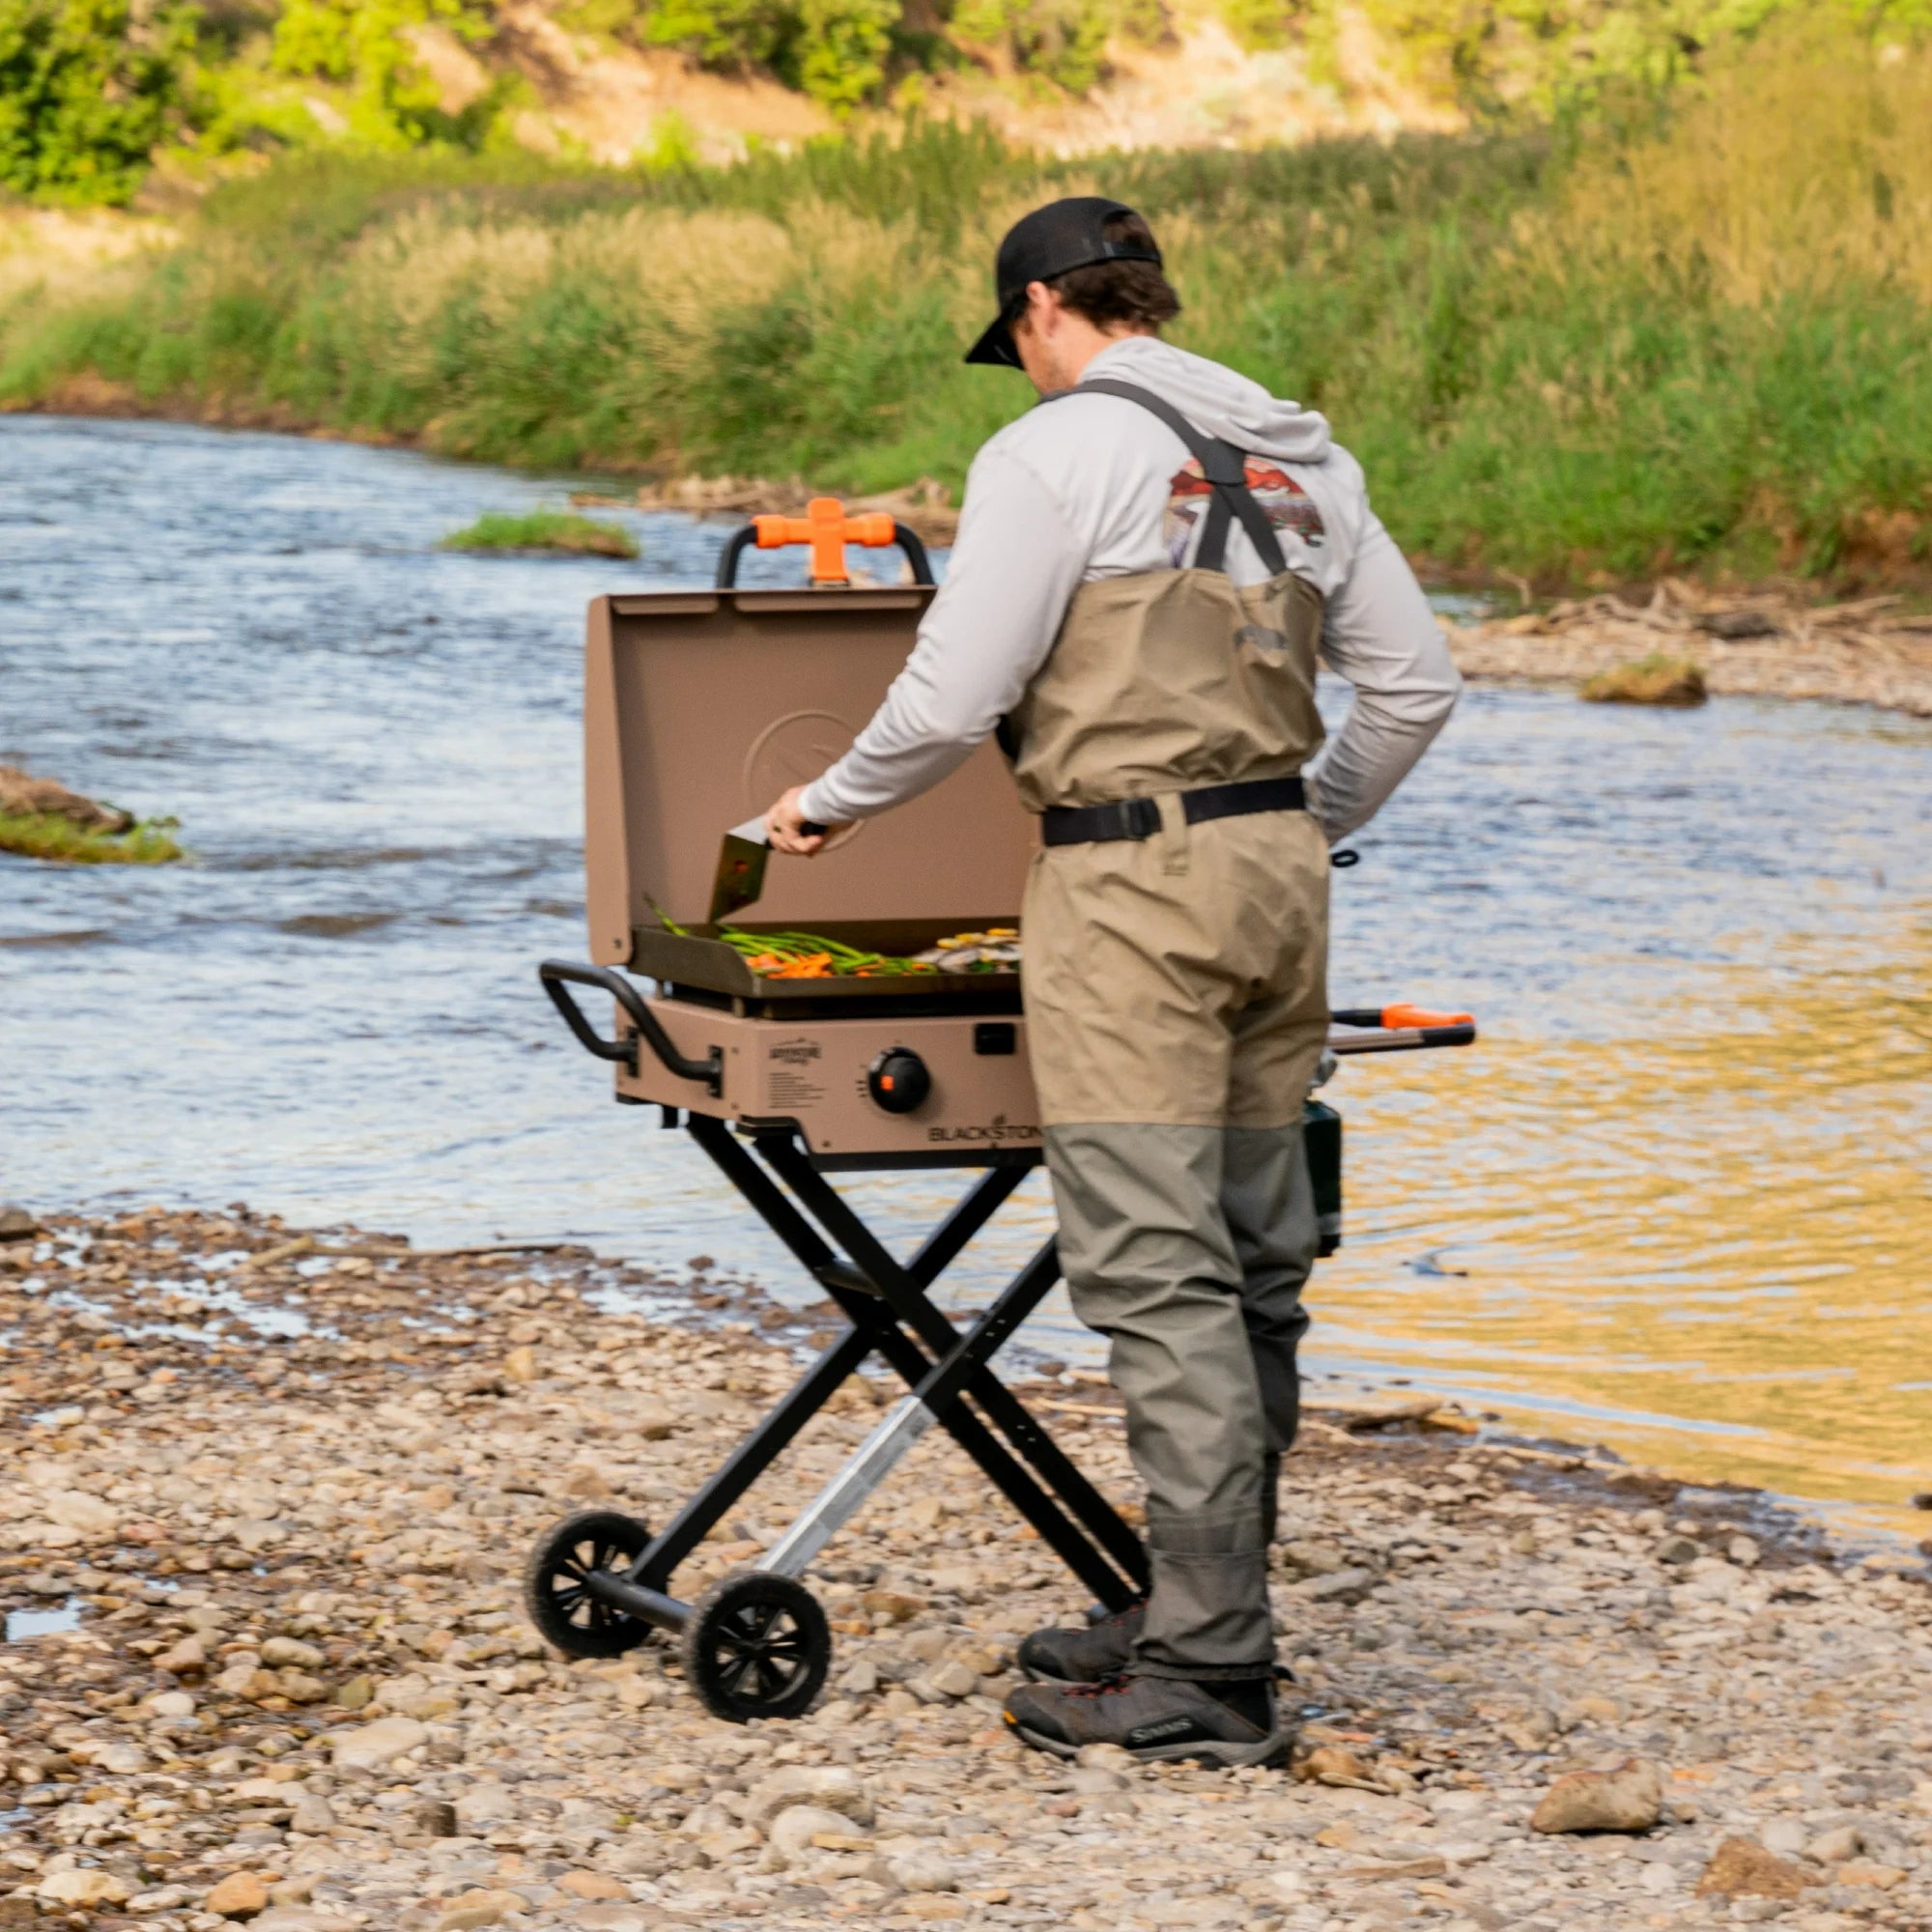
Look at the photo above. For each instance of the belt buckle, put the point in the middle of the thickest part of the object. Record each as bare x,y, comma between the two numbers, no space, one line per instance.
1140,817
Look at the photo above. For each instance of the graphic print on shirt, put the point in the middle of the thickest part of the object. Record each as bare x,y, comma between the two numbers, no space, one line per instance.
1286,505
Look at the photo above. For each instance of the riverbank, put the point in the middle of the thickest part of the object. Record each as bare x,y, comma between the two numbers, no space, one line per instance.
1682,341
1876,651
1775,642
286,1482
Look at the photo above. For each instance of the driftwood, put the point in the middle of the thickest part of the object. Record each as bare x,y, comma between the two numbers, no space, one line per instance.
1769,644
25,796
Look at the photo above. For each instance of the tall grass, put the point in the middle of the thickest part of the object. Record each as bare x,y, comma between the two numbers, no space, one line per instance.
1698,340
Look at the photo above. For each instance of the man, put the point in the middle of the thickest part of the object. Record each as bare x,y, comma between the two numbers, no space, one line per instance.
1145,568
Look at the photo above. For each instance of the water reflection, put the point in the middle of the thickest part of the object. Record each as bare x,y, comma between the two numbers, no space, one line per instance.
1677,1198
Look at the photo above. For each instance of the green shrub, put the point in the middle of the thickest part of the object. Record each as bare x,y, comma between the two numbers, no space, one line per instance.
1063,41
841,48
85,94
365,44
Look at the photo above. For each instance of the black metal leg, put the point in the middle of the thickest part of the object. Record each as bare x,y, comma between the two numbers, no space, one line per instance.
1100,1519
870,1313
908,1301
750,1460
1010,1477
940,1248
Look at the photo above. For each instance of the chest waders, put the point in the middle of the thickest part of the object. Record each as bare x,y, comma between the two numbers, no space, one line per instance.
1176,936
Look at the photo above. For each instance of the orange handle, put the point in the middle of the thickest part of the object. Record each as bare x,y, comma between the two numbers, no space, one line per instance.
828,529
1421,1016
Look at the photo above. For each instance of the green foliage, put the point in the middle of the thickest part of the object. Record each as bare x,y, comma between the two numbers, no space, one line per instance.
366,45
85,94
1698,338
1063,41
1489,56
1261,24
842,50
544,530
723,34
835,51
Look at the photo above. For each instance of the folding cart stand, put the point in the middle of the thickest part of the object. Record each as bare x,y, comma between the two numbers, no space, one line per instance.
699,707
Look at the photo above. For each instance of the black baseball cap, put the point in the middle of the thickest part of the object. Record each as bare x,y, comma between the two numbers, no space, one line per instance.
1052,240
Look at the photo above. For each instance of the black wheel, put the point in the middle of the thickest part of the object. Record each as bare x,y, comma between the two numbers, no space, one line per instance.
756,1646
563,1611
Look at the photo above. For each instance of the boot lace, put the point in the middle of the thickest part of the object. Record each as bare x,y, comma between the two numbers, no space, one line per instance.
1103,1687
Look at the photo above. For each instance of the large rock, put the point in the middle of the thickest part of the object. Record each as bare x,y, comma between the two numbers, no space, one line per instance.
1836,1847
75,1509
1333,1764
477,1907
291,1653
240,1895
793,1831
78,1887
943,1681
370,1747
1741,1869
1869,1871
927,1871
1627,1798
616,1918
591,1885
1342,1586
833,1786
313,1816
187,1656
24,795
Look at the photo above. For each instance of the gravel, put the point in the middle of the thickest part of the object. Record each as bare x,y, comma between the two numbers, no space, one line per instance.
289,1502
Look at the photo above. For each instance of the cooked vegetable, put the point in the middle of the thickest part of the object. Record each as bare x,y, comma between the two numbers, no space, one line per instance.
974,952
803,956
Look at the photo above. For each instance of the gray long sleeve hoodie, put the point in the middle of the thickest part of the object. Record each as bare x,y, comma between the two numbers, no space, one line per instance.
1090,487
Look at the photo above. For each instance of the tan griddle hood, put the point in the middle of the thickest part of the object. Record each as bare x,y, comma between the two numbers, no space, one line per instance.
700,707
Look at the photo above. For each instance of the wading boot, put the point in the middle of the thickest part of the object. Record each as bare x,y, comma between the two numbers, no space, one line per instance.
1103,1649
1157,1719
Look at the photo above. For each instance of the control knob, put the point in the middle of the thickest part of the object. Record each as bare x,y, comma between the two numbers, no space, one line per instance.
898,1080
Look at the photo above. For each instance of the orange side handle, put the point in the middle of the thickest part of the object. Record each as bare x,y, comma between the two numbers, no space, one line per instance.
1421,1016
828,529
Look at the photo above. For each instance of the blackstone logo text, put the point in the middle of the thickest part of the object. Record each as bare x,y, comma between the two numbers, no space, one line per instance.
994,1132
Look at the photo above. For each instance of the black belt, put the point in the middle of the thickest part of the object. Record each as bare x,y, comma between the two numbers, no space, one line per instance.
1140,817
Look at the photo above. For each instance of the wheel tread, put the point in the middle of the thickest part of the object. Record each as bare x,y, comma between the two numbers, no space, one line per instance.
607,1633
786,1670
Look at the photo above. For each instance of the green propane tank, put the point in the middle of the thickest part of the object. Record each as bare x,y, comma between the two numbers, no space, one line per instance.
1322,1135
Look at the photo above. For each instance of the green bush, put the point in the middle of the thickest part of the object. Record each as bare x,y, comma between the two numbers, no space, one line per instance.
365,44
1063,41
85,94
1582,353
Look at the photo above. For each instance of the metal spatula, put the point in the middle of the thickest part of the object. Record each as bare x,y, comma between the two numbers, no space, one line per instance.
742,858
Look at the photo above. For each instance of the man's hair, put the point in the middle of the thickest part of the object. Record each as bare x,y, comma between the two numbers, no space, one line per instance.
1135,293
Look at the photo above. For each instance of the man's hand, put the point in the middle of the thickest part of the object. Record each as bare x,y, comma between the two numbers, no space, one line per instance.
790,831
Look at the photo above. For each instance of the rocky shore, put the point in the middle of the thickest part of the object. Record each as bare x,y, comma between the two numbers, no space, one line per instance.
1770,643
266,1496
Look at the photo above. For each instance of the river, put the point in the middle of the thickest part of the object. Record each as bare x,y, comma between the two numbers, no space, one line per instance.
1675,1200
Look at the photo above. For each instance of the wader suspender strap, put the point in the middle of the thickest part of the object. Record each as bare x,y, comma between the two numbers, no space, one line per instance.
1221,464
